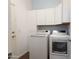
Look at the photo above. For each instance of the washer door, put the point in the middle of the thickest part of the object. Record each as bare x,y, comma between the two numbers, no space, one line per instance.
59,47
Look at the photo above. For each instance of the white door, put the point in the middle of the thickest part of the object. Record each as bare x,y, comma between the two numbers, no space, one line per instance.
66,10
12,30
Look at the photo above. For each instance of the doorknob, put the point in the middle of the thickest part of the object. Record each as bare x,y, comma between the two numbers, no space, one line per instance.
13,34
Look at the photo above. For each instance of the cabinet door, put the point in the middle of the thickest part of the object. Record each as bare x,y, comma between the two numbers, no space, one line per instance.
50,15
58,14
66,10
40,16
45,16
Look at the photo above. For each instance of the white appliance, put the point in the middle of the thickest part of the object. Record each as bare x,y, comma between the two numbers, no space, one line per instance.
39,45
60,46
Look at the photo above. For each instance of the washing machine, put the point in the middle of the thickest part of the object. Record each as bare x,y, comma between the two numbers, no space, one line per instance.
39,45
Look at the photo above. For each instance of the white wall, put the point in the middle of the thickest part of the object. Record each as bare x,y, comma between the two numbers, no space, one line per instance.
25,25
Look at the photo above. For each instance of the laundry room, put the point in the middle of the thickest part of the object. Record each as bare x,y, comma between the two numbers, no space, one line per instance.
39,29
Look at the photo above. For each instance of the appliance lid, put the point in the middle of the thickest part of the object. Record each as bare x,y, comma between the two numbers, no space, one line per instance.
41,33
57,32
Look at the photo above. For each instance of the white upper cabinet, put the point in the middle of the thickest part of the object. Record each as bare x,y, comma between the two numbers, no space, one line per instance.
66,10
58,14
40,17
50,16
44,4
45,16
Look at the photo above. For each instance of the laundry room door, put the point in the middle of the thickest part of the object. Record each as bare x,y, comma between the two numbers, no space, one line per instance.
12,30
